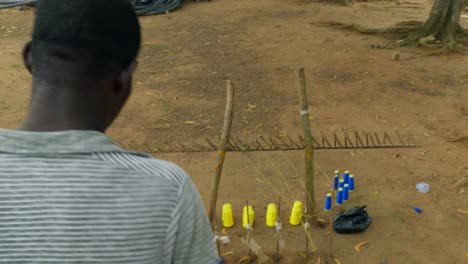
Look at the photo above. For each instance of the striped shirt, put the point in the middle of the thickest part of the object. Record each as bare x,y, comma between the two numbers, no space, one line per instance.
76,197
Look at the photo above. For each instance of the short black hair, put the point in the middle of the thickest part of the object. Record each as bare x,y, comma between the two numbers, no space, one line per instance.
106,31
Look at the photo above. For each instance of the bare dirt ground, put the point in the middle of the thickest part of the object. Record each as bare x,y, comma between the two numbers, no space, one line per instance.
179,96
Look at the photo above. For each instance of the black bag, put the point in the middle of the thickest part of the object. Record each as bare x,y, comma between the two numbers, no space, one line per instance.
353,220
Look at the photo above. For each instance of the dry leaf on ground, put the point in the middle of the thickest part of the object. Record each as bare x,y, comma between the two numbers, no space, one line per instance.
358,246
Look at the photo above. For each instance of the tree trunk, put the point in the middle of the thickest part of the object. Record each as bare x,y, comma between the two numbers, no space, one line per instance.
443,23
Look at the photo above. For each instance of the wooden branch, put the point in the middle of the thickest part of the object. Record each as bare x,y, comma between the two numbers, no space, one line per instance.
228,115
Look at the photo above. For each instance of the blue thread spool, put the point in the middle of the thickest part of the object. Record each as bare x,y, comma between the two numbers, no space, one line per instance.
346,177
346,192
341,184
351,183
328,202
339,196
337,178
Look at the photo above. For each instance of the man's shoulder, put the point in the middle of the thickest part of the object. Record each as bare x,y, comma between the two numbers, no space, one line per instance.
148,166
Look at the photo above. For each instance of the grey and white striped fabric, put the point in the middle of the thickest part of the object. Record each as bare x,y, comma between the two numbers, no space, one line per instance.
76,197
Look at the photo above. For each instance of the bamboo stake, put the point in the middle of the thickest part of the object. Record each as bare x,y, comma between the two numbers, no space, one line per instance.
330,245
278,230
218,243
228,115
248,231
309,167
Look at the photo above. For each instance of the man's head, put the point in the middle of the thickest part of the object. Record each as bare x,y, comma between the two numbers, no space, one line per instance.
82,57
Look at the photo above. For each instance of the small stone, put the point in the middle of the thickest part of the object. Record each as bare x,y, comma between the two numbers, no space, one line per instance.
402,42
396,56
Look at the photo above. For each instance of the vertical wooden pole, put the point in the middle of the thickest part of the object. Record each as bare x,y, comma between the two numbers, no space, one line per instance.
228,115
309,167
248,228
278,230
330,228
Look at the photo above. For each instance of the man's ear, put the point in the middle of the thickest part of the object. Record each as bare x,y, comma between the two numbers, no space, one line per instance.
124,84
27,56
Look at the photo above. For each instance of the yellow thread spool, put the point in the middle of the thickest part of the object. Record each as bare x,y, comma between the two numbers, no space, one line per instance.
228,219
250,218
271,215
296,214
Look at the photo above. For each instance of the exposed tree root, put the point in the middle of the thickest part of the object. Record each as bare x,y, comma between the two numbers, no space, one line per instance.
400,29
443,50
463,32
346,2
338,2
406,32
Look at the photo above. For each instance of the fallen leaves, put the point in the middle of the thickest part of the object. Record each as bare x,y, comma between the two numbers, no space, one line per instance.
250,107
227,253
259,180
456,138
322,223
244,259
300,254
358,246
461,183
379,118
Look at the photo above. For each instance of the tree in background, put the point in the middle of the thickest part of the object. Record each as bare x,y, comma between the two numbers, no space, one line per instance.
443,23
